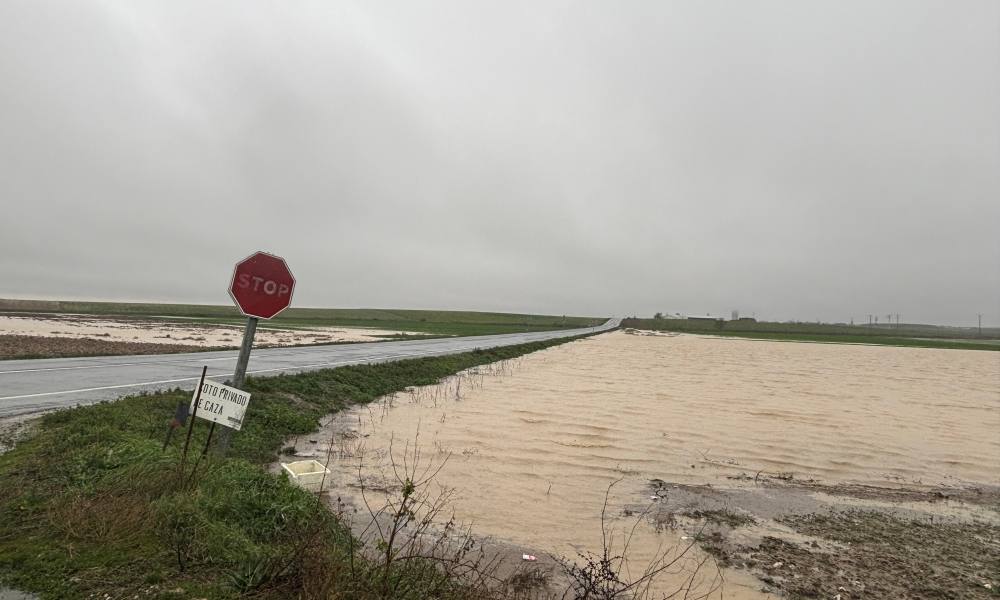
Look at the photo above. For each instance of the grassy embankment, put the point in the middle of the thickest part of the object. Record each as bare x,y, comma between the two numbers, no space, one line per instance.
920,336
428,322
89,504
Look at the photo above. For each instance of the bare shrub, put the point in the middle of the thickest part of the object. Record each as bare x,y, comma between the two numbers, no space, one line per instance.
605,575
180,527
412,548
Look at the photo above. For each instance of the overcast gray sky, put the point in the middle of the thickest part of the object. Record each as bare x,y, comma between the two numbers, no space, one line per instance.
800,160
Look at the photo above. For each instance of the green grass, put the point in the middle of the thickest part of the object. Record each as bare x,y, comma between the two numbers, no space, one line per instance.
89,504
880,340
434,322
907,335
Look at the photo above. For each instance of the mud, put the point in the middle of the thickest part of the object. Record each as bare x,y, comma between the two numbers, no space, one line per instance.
818,541
29,346
775,500
872,554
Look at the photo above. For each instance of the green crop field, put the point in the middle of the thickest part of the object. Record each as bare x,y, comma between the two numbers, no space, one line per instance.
430,322
914,335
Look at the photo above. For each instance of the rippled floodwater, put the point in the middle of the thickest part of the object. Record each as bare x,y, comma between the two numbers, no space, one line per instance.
534,449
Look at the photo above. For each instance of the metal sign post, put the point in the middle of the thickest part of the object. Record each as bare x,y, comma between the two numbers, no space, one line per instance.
239,377
261,286
194,413
204,451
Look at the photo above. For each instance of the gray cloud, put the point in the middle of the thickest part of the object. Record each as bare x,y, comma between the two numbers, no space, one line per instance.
797,160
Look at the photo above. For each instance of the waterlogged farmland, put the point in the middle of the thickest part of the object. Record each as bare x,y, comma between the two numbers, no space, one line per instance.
702,434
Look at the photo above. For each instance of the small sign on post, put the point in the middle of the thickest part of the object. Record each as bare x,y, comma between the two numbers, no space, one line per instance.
221,404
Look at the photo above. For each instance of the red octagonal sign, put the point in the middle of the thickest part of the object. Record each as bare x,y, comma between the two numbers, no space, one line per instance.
262,285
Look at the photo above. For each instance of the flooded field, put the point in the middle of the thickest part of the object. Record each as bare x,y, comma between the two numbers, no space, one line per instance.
531,447
176,332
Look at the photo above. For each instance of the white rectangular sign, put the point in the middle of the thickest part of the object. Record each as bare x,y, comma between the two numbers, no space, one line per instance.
222,404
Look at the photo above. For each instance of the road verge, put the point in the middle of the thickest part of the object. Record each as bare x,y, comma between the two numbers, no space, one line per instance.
91,505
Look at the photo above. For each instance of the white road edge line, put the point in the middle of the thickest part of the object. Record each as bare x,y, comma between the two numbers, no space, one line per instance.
145,383
144,363
150,363
107,387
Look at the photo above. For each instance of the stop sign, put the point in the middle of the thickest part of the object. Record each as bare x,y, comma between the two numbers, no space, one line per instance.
262,285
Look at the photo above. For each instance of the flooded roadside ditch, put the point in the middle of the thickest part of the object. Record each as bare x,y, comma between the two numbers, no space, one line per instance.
776,458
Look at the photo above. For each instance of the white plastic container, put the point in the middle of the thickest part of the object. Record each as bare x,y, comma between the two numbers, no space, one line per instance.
307,474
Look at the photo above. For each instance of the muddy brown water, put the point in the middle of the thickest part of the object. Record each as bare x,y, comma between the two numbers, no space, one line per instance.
533,445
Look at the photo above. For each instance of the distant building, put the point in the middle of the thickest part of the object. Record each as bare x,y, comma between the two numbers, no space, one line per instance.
704,318
669,315
747,320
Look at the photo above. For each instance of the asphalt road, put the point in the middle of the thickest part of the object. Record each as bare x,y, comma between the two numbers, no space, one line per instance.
29,386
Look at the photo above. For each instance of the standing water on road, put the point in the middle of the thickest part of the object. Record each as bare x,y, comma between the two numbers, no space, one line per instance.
534,445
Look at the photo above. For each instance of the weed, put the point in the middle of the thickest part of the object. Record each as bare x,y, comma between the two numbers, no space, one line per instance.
606,575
